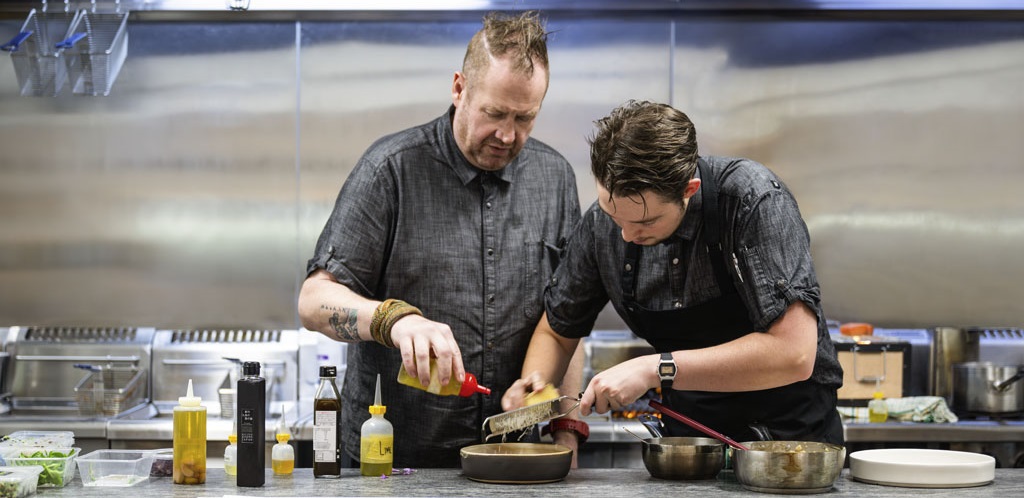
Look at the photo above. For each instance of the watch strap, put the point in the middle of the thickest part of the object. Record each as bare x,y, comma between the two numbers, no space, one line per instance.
580,427
667,372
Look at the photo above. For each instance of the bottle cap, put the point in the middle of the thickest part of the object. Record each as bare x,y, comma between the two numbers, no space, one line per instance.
233,437
878,395
377,408
189,399
282,434
250,368
328,371
470,387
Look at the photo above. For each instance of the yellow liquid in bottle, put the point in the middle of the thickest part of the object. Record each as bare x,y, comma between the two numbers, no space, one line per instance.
878,410
231,457
189,446
376,455
435,387
375,469
282,466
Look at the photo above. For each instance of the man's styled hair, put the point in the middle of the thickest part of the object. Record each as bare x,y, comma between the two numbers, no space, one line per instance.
644,146
522,38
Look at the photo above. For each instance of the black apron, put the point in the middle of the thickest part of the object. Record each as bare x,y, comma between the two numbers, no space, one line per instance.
802,411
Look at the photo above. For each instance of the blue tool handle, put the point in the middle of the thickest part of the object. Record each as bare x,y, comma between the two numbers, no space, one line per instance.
12,46
71,40
86,366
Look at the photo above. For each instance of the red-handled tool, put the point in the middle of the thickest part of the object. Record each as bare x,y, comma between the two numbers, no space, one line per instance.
696,425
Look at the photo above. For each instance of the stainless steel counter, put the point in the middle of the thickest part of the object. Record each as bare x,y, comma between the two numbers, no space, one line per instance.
979,431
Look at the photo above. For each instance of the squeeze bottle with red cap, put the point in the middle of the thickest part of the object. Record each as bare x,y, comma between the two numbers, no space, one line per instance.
467,387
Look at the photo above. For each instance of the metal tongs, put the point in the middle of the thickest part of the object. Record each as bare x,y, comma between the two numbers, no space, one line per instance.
527,416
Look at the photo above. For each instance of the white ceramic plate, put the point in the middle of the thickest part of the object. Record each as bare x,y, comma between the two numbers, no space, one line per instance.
921,468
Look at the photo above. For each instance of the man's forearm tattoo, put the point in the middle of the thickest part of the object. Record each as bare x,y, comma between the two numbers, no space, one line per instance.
344,326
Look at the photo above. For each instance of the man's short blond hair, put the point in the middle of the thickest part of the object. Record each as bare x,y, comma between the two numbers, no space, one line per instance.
522,38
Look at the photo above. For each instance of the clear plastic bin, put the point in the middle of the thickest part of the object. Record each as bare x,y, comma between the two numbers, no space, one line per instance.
116,468
96,47
38,62
40,439
58,463
163,463
16,482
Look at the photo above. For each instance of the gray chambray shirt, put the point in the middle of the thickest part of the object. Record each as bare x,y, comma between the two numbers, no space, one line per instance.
761,225
415,221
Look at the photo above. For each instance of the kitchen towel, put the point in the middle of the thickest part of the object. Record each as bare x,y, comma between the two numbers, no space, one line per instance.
924,409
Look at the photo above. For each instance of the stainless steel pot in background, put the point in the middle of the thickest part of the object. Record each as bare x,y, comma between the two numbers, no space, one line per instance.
987,388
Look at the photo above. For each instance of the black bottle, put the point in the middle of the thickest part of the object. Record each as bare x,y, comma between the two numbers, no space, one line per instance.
252,417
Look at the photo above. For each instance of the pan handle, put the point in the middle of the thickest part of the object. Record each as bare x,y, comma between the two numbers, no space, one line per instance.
760,431
1002,386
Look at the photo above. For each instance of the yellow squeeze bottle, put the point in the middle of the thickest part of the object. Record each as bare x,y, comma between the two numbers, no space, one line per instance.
282,457
189,439
467,387
878,409
376,444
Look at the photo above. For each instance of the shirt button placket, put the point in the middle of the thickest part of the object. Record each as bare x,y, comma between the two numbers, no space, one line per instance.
487,243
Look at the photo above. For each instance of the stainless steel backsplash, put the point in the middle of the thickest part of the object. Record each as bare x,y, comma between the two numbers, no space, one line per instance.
193,194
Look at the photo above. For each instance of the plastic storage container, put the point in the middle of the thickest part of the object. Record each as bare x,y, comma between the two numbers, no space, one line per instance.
163,463
116,468
16,482
58,463
40,439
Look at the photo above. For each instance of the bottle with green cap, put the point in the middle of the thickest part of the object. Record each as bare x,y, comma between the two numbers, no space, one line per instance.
189,439
376,444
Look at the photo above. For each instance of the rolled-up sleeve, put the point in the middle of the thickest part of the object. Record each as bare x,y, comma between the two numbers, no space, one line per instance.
773,246
352,245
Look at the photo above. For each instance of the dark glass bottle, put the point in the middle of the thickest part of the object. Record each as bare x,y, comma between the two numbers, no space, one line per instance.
252,418
327,426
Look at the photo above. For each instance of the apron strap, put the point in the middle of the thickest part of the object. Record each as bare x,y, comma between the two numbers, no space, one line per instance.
712,227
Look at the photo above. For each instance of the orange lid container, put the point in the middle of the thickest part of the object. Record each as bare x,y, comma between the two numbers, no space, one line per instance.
856,328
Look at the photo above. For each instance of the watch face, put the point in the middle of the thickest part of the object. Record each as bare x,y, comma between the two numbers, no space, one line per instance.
667,370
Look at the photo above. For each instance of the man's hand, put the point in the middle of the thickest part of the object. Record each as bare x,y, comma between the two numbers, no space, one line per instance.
515,396
420,339
620,385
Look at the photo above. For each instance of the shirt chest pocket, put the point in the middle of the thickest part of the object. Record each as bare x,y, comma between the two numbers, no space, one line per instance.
539,262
